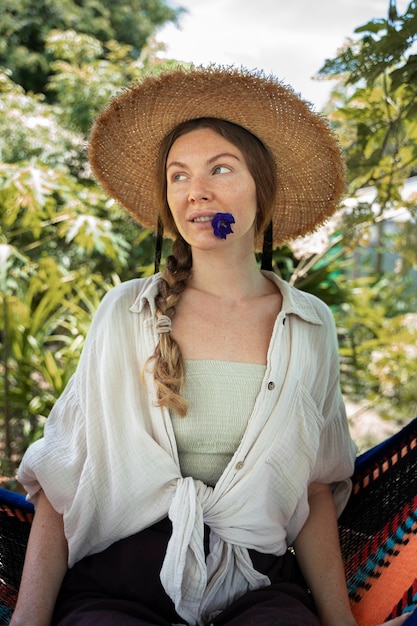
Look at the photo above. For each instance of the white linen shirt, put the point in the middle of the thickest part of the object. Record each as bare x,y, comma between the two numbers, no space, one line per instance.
108,459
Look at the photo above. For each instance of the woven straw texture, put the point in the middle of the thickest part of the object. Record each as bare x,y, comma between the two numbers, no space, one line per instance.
125,140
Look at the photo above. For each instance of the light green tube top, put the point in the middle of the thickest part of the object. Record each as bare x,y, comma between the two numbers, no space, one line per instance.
220,396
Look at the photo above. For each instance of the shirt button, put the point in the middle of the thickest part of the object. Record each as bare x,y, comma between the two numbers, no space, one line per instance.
239,465
271,386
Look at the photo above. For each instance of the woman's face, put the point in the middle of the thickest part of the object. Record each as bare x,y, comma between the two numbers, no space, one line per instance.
206,174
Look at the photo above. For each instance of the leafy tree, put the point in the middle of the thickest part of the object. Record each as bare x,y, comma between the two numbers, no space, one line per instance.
63,243
374,108
48,143
374,111
312,263
25,26
378,346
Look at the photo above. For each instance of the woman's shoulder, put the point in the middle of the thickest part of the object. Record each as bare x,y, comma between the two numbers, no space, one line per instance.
303,304
118,304
129,294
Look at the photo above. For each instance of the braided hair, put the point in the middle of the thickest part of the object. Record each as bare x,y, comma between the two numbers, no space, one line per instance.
167,361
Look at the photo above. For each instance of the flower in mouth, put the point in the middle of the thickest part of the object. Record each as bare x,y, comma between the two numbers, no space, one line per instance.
221,223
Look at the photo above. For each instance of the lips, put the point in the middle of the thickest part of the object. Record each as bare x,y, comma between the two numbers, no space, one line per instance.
198,217
203,218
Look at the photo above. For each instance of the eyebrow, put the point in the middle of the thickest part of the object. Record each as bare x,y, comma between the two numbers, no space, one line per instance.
210,160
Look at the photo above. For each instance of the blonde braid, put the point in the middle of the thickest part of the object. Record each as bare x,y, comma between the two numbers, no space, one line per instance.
167,361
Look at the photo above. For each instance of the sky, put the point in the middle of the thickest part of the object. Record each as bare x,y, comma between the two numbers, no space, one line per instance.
288,38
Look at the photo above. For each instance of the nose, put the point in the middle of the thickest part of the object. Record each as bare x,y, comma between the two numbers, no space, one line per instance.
199,191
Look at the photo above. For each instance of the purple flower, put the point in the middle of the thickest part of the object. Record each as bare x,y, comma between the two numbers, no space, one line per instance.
221,224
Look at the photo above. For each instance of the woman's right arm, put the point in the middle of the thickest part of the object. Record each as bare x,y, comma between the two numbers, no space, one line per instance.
44,569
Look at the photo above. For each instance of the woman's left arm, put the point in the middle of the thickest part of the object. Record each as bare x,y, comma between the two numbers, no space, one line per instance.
318,553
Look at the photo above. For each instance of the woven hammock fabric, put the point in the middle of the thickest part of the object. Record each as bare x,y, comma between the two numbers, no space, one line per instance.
16,517
378,531
378,534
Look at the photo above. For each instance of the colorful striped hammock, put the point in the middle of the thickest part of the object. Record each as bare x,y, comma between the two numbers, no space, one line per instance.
378,534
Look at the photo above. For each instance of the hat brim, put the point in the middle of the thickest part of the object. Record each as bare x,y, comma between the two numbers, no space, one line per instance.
126,138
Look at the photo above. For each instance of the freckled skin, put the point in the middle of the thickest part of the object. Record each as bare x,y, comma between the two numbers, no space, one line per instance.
206,174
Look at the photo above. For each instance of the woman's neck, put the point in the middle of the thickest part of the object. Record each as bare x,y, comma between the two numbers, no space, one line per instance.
230,278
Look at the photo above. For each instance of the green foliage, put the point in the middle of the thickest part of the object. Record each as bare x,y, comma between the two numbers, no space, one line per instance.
63,243
87,74
375,105
30,129
49,288
383,49
43,321
379,346
316,271
374,111
51,282
381,147
405,244
25,26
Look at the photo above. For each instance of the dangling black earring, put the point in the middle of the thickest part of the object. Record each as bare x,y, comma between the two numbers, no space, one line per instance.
266,263
158,245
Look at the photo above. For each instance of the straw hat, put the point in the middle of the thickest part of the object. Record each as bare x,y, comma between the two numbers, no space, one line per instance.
126,137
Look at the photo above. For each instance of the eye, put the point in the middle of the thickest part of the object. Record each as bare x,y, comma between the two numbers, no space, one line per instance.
221,169
178,177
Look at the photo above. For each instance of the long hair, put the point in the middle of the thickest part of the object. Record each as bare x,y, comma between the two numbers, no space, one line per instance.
167,361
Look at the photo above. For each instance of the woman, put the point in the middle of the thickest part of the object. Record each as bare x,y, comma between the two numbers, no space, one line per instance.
204,431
